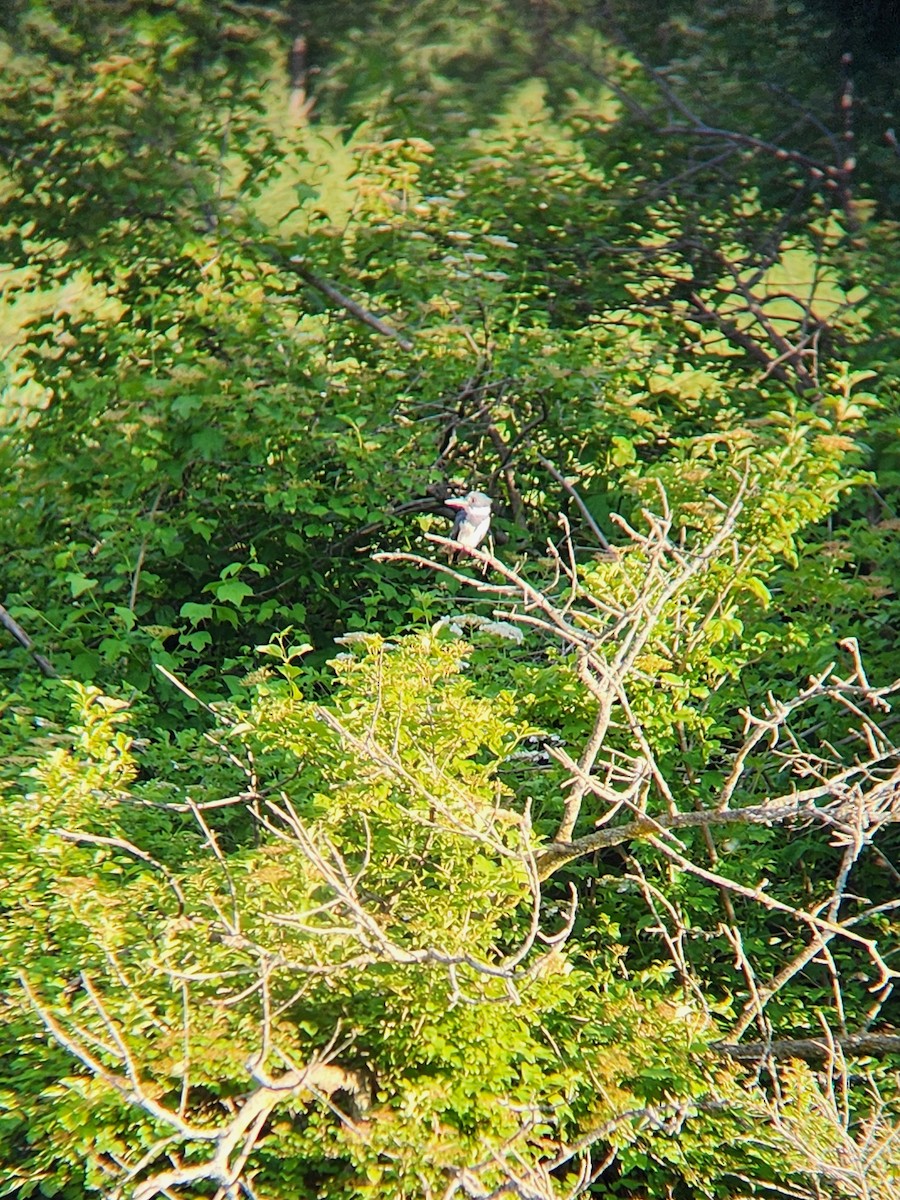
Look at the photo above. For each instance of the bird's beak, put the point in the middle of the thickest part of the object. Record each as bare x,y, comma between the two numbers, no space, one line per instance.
455,502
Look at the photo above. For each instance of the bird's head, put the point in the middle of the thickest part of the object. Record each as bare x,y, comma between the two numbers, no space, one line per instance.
476,504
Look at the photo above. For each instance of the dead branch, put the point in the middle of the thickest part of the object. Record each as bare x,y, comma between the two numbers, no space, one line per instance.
556,474
851,799
12,625
296,263
232,1142
555,855
91,839
142,552
864,1045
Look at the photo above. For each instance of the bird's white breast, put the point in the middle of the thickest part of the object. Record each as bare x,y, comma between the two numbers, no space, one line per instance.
474,530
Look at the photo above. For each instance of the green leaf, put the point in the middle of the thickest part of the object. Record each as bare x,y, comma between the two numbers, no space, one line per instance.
757,588
623,452
79,584
195,613
198,640
231,591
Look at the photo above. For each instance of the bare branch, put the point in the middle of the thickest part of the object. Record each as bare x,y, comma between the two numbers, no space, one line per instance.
582,507
139,565
12,625
355,309
866,1045
92,839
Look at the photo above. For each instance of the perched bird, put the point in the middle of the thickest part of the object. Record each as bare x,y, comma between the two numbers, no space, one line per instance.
473,519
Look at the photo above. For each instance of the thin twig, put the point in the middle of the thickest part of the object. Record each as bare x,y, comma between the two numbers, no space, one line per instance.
564,483
353,308
135,579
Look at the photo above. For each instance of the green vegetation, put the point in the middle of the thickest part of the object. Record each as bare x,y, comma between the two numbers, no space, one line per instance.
333,869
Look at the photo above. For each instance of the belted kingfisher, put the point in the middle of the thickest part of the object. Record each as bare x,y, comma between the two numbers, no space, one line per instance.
473,519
